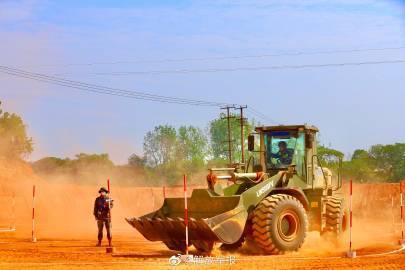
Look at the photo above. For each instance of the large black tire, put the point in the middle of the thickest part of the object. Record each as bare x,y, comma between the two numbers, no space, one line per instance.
280,224
335,217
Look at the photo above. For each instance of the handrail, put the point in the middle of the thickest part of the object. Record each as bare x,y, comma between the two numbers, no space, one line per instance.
221,169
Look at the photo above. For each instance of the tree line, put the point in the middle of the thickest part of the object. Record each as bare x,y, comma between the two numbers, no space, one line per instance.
168,152
380,163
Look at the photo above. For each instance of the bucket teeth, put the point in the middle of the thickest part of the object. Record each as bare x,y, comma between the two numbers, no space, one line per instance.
161,229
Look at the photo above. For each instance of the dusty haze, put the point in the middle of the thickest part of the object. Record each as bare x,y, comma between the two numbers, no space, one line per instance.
64,210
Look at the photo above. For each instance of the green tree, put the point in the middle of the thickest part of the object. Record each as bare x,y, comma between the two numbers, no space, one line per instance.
159,145
381,163
136,161
83,168
329,155
218,133
101,160
52,164
192,144
360,154
389,160
14,141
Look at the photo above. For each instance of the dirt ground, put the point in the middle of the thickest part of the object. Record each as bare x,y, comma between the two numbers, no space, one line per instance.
66,230
136,253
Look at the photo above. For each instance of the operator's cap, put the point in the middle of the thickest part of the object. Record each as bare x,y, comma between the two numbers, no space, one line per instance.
103,189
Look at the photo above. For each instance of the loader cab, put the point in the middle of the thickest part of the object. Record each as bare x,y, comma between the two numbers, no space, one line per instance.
284,147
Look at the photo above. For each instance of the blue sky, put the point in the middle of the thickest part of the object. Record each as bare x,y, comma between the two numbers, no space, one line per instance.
354,106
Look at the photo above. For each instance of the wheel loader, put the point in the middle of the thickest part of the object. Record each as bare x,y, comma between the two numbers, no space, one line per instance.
273,200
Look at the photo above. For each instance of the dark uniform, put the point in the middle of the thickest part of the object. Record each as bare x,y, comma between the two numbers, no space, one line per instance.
103,216
285,157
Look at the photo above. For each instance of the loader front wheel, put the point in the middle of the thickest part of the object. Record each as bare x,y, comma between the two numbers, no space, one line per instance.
280,224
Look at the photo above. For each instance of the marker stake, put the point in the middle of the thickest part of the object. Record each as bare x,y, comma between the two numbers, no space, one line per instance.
185,210
351,253
402,190
33,238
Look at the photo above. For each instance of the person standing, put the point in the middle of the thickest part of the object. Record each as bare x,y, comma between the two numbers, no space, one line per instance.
102,207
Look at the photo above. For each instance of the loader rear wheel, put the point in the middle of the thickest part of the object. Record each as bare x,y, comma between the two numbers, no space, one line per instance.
335,218
280,224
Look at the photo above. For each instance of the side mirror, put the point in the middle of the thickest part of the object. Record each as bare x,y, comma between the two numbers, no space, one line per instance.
251,142
309,140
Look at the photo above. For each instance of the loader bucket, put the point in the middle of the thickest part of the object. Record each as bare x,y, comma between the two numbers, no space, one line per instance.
211,218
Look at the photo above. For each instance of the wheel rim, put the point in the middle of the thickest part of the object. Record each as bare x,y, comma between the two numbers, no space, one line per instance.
288,225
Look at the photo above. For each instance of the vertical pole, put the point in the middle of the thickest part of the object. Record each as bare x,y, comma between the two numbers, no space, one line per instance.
228,119
229,136
185,210
33,238
110,248
109,197
109,202
242,133
351,214
402,215
13,216
242,137
402,192
393,213
164,192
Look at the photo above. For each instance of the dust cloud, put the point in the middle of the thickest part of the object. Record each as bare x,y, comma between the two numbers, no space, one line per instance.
64,205
376,222
64,210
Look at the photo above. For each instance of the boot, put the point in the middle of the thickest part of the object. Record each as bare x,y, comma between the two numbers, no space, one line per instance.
109,243
98,243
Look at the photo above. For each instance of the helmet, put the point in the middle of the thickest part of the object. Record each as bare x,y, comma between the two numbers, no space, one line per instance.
103,189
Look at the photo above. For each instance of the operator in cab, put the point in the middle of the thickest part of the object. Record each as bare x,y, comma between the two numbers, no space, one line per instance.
284,154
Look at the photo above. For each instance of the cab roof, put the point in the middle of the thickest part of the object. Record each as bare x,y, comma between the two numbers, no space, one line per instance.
287,127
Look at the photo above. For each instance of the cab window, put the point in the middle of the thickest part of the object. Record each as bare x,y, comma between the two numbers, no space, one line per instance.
284,148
